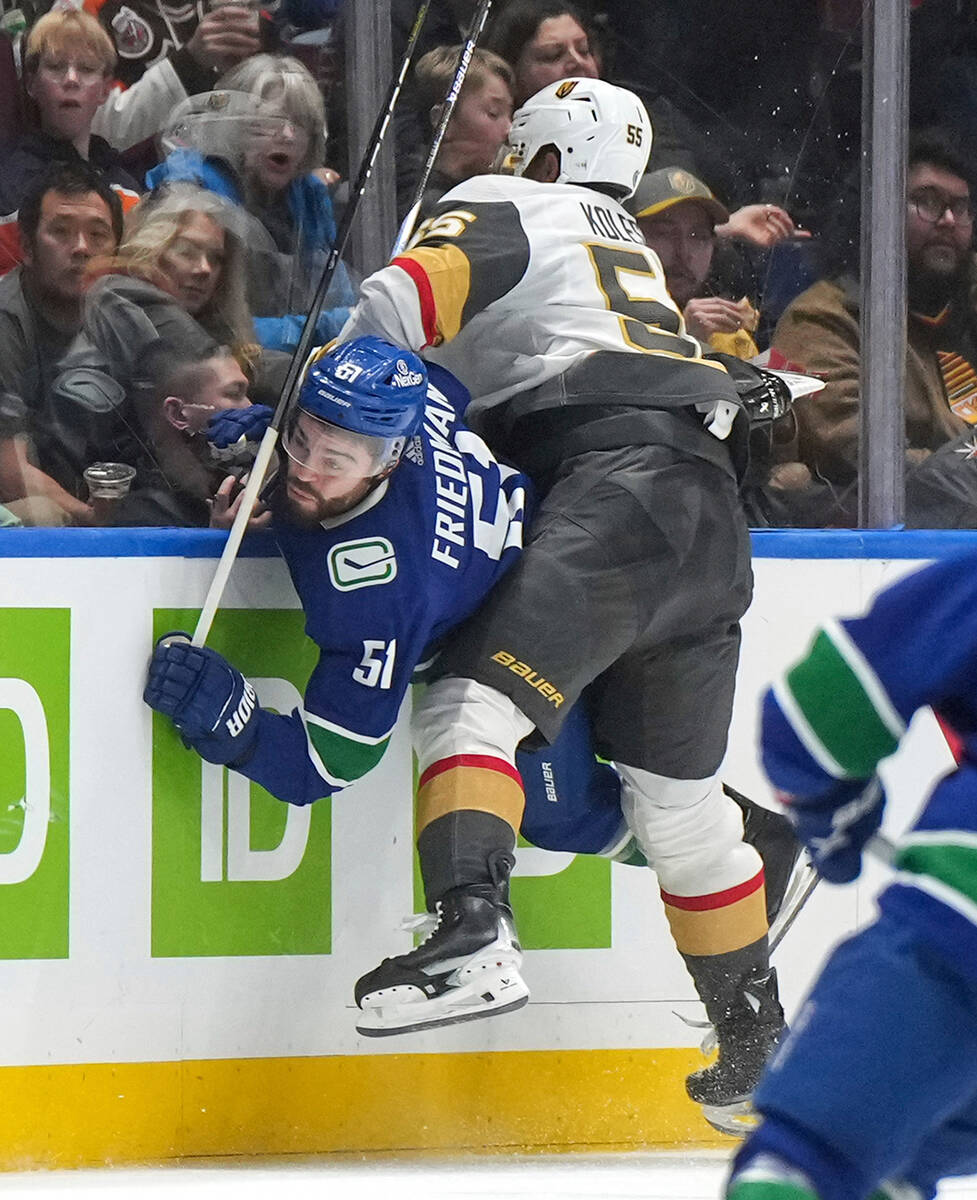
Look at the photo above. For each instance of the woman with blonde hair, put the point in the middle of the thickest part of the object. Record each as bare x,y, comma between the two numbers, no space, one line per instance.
258,140
178,278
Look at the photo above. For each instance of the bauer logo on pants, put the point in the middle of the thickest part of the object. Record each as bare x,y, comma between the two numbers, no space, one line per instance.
34,708
236,871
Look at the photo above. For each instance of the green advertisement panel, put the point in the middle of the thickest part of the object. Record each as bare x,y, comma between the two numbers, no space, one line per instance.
35,654
568,910
235,871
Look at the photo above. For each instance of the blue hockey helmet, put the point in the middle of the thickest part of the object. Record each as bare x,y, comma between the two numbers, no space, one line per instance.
366,386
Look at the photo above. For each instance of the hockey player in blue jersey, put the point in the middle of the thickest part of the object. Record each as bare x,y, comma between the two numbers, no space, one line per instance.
874,1094
394,521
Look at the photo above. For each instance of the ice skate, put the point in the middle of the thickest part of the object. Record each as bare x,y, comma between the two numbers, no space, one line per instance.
467,968
749,1027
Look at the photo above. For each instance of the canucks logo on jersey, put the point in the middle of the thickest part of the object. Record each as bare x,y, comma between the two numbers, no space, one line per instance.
385,582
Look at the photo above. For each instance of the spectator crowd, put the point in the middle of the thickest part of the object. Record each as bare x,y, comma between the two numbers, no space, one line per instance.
172,176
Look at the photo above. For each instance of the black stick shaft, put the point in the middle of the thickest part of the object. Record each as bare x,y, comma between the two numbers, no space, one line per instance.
307,337
447,108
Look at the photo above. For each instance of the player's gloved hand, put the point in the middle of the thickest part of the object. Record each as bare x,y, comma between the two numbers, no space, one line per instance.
209,701
836,825
233,425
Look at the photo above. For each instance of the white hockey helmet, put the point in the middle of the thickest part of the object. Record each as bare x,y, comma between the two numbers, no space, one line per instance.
602,132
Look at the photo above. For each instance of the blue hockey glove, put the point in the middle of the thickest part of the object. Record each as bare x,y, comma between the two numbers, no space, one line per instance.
836,826
209,701
233,425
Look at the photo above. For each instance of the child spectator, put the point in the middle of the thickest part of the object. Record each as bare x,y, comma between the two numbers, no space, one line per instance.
268,166
478,125
69,217
68,62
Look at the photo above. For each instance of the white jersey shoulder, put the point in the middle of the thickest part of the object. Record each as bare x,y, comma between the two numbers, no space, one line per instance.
589,283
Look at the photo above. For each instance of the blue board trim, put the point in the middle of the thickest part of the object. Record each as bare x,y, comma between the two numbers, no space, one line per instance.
862,543
208,543
129,543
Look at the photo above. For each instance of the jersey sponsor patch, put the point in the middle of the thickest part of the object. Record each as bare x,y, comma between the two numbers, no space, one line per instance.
367,562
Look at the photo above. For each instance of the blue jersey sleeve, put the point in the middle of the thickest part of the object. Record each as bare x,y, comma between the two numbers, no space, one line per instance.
845,706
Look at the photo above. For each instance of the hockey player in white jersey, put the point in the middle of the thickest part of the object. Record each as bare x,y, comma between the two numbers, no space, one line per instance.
537,290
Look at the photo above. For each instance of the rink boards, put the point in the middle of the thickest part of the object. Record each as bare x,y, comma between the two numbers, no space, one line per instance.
177,949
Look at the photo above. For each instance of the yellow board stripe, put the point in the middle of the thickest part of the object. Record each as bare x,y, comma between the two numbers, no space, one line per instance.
718,930
463,788
65,1116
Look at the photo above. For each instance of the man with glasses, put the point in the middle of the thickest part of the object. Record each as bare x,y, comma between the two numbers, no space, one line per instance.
820,330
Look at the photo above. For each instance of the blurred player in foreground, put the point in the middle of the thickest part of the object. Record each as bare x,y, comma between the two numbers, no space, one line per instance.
874,1094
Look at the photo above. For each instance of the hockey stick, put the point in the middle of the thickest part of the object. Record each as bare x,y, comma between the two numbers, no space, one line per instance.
267,448
474,33
881,848
798,893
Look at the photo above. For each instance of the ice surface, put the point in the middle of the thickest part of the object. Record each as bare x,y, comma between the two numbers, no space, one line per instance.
669,1175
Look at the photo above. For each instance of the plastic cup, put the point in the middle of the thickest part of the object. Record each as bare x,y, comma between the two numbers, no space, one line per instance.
108,483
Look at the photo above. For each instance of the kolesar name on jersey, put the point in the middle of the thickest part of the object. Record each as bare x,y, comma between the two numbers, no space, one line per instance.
607,223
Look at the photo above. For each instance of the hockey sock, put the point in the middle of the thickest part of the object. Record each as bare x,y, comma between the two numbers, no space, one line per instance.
719,923
719,978
462,848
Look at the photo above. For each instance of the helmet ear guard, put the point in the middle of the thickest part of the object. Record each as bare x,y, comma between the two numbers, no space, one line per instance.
602,133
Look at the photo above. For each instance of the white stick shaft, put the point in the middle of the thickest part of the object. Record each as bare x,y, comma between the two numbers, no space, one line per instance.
249,498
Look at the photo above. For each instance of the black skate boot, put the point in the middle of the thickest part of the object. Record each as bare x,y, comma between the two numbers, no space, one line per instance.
745,1011
772,836
467,968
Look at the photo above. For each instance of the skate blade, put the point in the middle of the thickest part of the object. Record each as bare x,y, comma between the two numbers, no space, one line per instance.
735,1120
489,996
